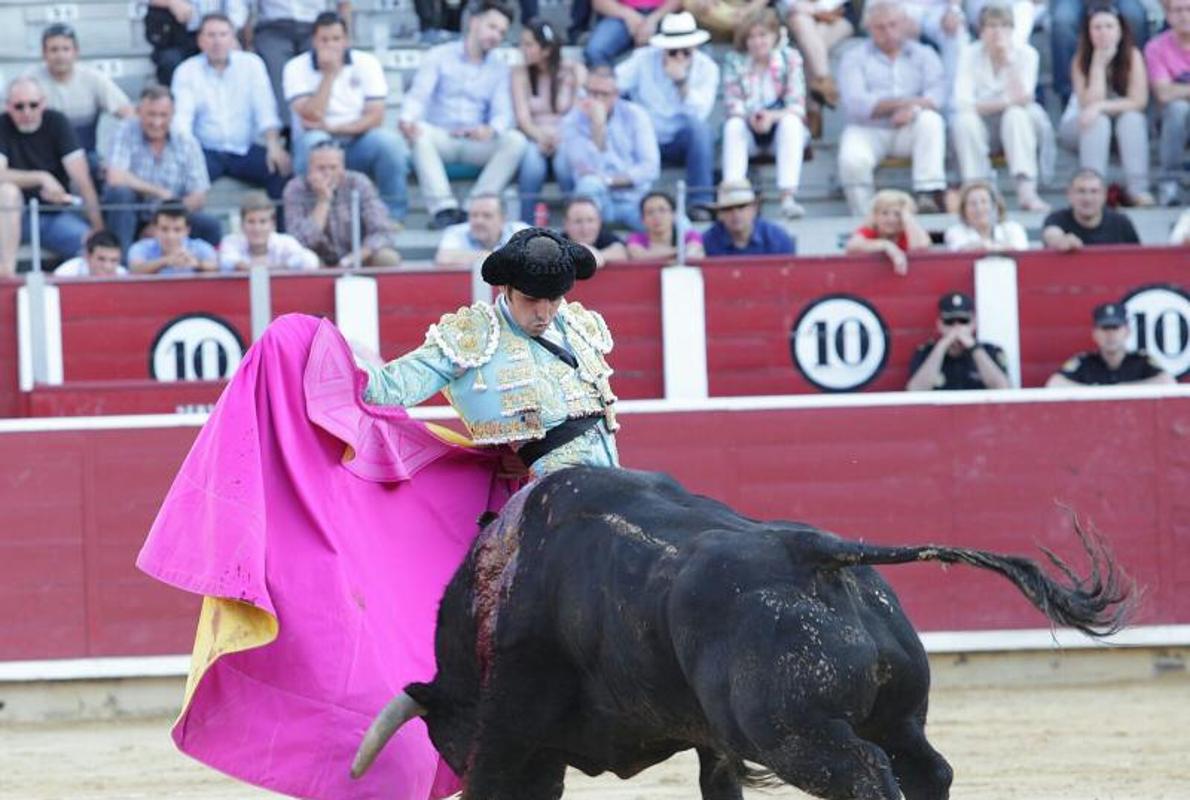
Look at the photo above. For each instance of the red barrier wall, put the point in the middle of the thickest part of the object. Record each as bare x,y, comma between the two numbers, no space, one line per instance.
77,505
1055,295
10,396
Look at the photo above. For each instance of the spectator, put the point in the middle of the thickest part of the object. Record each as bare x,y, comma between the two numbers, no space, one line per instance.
891,228
817,26
1110,90
40,157
1024,14
982,225
1110,363
624,24
170,27
956,359
77,90
610,146
1088,221
318,207
459,109
337,93
942,24
282,31
676,84
722,18
740,230
764,93
101,259
259,244
485,230
892,90
170,250
148,163
440,22
660,236
1180,235
1168,59
994,108
581,223
1066,18
544,88
223,100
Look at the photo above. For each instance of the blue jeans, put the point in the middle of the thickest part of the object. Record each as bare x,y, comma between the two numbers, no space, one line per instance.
694,146
126,212
609,39
535,166
620,207
1066,17
380,154
61,231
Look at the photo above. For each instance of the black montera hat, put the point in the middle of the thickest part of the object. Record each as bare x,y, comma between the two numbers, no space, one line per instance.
539,263
955,304
1109,315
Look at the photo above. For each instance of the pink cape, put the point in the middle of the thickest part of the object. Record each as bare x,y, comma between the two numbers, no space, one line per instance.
349,556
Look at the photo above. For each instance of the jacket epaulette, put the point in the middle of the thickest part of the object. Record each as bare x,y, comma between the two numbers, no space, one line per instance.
468,337
590,326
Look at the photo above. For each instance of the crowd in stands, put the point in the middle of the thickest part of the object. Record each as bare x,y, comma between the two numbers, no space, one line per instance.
274,94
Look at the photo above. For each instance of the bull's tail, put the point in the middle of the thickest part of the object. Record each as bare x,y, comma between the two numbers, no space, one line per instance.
1099,604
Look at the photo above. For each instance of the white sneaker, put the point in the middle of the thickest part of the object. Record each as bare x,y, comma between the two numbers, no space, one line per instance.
790,208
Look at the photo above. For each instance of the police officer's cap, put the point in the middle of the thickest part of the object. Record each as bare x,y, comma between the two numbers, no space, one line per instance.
1109,315
539,263
955,304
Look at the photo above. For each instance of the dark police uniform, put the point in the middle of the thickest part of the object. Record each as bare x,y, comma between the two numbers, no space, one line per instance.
958,372
1090,368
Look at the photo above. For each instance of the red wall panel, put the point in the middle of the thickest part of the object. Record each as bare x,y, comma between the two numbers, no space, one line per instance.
10,398
78,504
1056,293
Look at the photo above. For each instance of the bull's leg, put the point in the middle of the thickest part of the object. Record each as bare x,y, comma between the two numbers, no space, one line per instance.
716,777
826,759
920,769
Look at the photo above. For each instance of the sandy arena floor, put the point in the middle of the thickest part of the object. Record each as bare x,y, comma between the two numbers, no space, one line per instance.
1128,741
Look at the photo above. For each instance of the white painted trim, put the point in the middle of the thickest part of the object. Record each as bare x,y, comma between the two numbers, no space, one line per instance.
1089,394
357,310
1032,639
24,341
684,332
996,310
53,334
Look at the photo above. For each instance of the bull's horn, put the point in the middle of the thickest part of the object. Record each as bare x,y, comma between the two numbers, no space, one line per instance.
402,709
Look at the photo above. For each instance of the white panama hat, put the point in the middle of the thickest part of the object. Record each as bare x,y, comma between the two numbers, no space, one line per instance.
679,30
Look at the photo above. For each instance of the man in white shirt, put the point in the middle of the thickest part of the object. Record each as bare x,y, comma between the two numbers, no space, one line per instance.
78,91
281,30
337,92
459,109
259,244
484,231
677,84
101,259
892,90
222,98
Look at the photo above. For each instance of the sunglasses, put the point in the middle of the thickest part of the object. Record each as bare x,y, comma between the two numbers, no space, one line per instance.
957,321
682,52
32,105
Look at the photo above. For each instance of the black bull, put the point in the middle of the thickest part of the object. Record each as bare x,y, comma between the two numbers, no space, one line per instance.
609,619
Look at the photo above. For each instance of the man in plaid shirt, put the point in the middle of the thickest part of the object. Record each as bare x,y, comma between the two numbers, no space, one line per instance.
318,210
149,164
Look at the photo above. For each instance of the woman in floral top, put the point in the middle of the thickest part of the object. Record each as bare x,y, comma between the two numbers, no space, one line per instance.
764,90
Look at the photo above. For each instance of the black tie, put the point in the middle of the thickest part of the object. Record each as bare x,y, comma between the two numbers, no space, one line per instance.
561,352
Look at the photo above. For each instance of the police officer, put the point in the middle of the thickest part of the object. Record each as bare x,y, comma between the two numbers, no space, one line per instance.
1110,363
956,360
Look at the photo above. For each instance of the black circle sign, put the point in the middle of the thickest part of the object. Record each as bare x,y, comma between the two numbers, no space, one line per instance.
195,347
1160,324
839,343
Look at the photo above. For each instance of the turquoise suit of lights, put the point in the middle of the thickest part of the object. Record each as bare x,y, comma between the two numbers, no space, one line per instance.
508,388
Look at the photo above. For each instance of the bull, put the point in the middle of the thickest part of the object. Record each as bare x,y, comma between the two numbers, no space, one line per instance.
608,619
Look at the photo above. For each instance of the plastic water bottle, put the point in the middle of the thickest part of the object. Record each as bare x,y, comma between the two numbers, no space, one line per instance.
541,215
